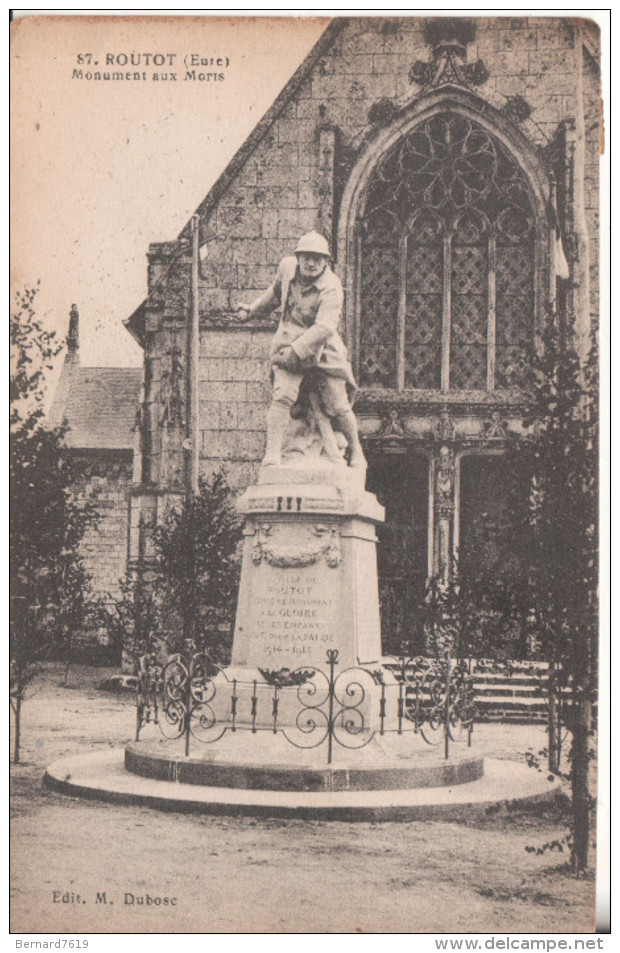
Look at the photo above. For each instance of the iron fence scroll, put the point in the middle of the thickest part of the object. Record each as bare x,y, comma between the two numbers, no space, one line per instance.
191,698
330,709
148,691
435,697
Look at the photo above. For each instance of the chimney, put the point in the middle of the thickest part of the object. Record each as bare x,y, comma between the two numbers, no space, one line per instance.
73,337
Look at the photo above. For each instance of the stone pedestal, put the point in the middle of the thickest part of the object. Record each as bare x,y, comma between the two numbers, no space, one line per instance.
309,573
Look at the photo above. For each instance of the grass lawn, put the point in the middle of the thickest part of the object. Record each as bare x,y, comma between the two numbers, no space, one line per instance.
279,876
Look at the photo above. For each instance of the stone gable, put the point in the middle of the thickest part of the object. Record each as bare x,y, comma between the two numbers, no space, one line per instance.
291,175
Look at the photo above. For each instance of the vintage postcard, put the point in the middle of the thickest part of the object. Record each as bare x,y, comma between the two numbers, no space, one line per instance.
304,459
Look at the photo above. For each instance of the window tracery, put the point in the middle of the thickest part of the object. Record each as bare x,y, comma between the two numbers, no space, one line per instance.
447,260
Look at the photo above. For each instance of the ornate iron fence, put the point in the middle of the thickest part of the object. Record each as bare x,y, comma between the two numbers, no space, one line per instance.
189,697
437,697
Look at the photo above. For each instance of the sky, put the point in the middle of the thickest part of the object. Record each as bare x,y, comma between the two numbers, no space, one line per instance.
102,168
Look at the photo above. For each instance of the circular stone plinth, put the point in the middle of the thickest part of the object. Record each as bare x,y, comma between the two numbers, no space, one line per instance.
103,776
380,770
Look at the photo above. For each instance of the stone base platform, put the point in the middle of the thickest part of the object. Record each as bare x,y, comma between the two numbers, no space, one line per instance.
103,776
269,763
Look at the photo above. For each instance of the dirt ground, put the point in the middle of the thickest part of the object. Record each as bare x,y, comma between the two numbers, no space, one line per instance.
275,876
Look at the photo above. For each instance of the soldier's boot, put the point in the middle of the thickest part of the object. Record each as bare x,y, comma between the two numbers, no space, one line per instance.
347,423
278,417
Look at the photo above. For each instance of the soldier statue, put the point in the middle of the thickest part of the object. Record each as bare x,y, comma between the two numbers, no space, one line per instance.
309,360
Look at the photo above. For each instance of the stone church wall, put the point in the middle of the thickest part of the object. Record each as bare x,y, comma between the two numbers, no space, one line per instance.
292,181
105,480
234,388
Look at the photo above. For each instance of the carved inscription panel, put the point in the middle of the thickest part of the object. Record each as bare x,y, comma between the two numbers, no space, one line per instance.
292,594
294,618
307,586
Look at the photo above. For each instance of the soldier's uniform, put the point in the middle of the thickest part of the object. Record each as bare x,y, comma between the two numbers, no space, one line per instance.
310,315
307,345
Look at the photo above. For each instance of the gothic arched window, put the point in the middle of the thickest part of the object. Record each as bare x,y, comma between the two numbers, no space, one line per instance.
447,263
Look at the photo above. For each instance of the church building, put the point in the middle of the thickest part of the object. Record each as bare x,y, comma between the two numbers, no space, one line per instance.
452,165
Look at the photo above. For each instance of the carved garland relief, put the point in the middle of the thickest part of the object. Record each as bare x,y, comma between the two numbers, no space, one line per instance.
285,555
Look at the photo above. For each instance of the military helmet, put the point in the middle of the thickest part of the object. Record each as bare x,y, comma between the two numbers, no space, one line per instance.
313,244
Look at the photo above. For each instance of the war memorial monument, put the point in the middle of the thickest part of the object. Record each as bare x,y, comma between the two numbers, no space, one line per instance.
309,719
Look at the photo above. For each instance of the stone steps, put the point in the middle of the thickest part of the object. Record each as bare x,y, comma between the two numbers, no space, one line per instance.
519,696
510,708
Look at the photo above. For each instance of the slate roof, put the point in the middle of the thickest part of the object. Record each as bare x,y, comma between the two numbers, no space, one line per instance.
100,407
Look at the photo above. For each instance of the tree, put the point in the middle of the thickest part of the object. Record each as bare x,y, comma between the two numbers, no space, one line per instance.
134,618
184,592
49,585
197,565
562,459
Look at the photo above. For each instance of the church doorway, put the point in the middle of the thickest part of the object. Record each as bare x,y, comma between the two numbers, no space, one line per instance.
493,550
401,483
